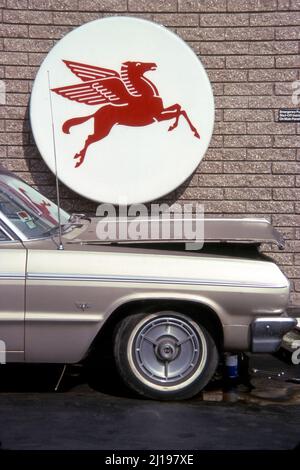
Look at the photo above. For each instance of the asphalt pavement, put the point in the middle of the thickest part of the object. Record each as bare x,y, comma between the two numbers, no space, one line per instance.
263,415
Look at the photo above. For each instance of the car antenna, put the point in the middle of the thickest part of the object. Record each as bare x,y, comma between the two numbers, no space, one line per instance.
61,246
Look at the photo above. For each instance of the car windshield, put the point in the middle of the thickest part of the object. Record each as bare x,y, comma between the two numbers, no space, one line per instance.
28,210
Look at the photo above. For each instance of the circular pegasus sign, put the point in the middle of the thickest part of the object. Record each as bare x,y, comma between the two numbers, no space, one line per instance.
125,109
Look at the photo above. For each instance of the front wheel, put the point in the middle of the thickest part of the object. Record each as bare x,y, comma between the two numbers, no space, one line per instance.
165,356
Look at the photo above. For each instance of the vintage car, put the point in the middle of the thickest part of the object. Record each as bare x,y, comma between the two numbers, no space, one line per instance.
168,308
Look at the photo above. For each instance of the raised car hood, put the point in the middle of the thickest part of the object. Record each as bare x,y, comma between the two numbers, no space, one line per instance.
243,230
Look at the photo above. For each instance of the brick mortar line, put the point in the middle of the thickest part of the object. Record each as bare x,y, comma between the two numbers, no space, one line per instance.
233,41
21,51
169,26
210,161
217,108
226,12
205,41
140,16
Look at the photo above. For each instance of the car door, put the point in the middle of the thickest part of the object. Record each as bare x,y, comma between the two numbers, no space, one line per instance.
63,308
12,297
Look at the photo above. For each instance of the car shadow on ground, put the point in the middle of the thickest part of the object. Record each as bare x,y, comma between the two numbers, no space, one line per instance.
262,380
47,378
93,410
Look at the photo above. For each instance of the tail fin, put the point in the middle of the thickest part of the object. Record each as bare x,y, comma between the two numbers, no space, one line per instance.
74,122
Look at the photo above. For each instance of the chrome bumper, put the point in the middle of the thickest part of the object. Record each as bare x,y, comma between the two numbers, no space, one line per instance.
267,333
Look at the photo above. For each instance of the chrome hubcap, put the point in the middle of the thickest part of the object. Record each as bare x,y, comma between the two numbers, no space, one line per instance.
167,350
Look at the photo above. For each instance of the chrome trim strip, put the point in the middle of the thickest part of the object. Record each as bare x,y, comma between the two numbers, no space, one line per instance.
12,227
12,276
3,229
83,317
147,279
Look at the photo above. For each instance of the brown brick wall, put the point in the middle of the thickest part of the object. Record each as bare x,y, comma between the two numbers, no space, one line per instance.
251,51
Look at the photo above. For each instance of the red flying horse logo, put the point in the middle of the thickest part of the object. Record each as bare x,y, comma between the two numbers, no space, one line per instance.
130,99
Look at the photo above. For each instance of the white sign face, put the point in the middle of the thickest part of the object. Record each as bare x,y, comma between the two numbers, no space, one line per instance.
133,110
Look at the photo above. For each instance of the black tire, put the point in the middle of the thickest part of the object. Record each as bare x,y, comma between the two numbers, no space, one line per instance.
180,369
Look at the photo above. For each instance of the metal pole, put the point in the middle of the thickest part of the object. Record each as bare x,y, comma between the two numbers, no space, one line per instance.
61,247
